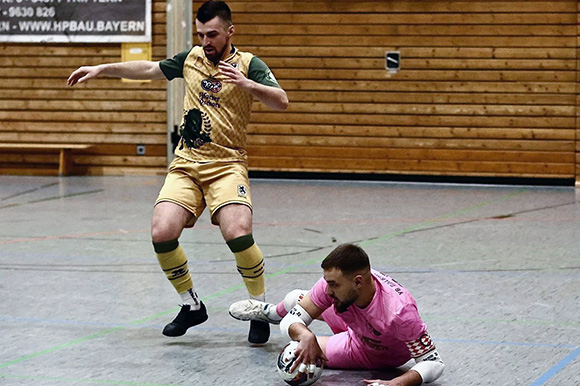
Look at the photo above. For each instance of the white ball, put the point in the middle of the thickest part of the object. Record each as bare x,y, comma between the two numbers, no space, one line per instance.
286,359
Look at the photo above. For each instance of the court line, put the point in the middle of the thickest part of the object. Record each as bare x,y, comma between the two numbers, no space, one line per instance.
417,227
237,287
410,229
276,331
82,380
557,368
539,382
71,236
518,322
60,347
30,191
413,228
52,198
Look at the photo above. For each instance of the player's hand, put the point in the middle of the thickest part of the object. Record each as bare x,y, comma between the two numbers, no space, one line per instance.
233,75
83,74
375,382
380,382
308,354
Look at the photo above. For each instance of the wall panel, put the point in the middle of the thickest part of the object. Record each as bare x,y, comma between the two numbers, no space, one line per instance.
486,88
36,106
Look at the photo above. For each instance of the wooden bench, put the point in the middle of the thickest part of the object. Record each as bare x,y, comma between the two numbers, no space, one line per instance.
64,149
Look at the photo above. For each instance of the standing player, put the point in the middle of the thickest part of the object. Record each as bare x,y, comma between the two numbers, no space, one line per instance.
210,165
374,319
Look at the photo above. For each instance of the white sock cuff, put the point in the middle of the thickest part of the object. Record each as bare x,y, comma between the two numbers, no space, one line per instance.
261,297
190,297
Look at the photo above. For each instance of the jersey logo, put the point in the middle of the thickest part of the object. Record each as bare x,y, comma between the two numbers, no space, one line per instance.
374,344
211,85
242,191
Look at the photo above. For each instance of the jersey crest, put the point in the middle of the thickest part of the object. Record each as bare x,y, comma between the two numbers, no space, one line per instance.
196,132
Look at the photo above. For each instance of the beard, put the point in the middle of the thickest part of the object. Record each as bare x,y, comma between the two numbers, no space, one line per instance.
214,55
342,306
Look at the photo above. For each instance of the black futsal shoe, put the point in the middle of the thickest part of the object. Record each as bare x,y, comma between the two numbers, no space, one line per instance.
259,332
185,319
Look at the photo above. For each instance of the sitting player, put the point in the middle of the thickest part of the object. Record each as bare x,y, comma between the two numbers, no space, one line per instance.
374,319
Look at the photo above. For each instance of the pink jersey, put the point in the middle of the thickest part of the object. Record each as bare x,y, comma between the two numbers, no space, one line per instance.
388,329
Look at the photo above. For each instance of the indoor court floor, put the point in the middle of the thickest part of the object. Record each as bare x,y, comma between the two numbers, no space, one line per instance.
495,271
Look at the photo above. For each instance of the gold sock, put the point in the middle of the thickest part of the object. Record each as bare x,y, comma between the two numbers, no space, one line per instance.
250,264
173,261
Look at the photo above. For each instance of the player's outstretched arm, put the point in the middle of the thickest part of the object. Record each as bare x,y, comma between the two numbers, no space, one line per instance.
410,378
138,69
428,365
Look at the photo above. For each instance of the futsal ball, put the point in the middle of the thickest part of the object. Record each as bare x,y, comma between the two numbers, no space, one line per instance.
286,359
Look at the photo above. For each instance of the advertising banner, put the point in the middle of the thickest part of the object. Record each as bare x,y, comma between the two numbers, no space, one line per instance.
75,21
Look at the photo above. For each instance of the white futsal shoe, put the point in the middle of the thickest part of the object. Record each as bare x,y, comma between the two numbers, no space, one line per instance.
255,310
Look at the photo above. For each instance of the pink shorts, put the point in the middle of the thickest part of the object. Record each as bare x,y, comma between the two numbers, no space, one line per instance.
345,350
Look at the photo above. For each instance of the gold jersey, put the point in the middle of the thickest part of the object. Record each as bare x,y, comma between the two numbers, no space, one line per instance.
225,108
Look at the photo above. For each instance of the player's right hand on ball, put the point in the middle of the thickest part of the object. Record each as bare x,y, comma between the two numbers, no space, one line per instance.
308,353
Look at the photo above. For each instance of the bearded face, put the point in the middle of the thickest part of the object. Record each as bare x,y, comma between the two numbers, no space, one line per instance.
215,38
213,54
342,305
341,289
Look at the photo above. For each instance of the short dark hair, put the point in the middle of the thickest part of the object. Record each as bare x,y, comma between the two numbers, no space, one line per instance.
211,9
349,258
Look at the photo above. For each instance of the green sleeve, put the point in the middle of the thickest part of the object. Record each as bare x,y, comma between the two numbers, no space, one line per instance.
173,68
259,72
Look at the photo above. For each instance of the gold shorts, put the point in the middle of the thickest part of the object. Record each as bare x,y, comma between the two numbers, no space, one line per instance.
195,185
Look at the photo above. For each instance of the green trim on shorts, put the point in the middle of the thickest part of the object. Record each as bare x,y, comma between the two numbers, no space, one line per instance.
241,243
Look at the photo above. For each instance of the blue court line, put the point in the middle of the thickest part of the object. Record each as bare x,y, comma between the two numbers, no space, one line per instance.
426,318
274,331
556,369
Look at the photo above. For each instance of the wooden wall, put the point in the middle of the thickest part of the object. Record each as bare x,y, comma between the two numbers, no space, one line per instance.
486,89
36,106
